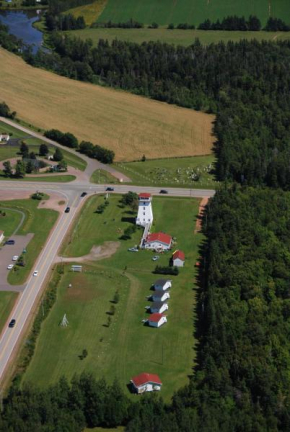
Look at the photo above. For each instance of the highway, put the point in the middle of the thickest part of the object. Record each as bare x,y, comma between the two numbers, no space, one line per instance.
71,191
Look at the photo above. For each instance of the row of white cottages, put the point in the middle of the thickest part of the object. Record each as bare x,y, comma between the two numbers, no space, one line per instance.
159,303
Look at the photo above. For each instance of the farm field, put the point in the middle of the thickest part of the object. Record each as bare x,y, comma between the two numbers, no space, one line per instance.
7,300
126,347
195,172
128,124
177,37
33,223
191,11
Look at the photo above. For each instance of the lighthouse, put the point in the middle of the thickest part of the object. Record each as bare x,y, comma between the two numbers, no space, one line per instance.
145,213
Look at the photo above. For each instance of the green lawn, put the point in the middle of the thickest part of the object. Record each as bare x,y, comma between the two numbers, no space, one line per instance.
101,176
177,172
10,221
15,133
191,11
33,224
177,37
126,347
7,300
62,178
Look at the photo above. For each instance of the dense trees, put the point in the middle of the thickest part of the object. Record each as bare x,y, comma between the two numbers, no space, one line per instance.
97,152
276,24
5,110
233,23
66,139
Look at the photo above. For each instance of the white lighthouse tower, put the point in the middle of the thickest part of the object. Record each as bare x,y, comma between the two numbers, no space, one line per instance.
145,213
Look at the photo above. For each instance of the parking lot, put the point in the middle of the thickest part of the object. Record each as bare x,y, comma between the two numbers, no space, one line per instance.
6,254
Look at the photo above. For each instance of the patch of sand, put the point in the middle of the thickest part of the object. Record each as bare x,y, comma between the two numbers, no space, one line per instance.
97,253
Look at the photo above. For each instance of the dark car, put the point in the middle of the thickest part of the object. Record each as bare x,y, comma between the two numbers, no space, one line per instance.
67,210
10,242
163,191
12,323
83,194
110,189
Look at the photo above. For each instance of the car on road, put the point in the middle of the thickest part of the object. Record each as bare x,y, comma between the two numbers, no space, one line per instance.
12,323
10,242
83,194
155,258
67,210
15,258
133,249
110,189
10,266
163,191
35,273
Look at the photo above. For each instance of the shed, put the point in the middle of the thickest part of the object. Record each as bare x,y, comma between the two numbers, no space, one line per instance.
146,382
178,258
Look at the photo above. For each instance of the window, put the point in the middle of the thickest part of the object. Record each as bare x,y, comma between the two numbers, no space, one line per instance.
144,214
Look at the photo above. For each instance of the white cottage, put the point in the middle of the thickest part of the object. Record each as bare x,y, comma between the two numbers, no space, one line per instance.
158,241
158,307
146,382
157,320
162,284
160,296
4,137
178,258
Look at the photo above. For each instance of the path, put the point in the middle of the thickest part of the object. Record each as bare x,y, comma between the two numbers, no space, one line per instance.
201,209
97,253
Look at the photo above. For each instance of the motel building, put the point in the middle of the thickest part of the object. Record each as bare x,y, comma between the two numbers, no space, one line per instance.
158,241
157,320
146,382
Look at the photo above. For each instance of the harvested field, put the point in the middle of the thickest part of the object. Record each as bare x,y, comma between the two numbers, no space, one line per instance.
128,124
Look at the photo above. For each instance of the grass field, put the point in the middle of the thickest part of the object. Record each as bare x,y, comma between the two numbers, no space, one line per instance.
126,347
128,124
33,223
90,12
101,176
177,37
7,300
191,11
15,133
10,221
180,172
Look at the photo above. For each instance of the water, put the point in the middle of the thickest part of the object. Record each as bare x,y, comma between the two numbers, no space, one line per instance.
20,25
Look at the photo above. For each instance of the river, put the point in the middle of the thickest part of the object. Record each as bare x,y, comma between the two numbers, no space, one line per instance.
20,24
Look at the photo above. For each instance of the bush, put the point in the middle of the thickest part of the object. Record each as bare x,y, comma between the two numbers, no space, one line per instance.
166,270
5,111
97,152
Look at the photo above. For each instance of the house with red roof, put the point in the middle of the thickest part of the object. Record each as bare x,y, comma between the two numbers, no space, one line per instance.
158,241
146,382
178,258
157,320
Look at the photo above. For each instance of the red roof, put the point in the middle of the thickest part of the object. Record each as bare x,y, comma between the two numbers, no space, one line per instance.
144,195
145,378
159,237
178,254
155,317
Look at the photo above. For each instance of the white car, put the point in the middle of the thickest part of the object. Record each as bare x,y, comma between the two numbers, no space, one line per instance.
35,273
133,249
155,258
15,258
10,266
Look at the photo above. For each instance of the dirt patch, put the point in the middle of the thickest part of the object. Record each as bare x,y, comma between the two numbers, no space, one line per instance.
53,203
80,289
97,253
202,205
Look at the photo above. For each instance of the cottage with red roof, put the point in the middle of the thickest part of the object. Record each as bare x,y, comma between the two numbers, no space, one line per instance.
157,320
158,241
178,258
146,382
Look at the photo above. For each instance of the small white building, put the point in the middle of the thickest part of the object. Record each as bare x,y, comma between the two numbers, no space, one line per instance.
146,382
4,137
162,284
158,307
145,213
157,320
158,241
178,258
160,296
1,236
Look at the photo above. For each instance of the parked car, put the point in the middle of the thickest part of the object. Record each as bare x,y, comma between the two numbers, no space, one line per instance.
12,323
10,266
155,258
67,210
15,258
10,242
83,194
163,191
110,189
133,249
35,273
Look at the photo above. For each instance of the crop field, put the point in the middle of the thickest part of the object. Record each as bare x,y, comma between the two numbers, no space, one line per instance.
191,11
33,223
128,124
195,172
177,37
119,345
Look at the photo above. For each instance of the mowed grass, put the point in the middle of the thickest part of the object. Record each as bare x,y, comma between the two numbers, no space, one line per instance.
7,300
90,12
126,347
191,11
33,223
128,124
10,221
15,133
176,37
195,172
100,176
